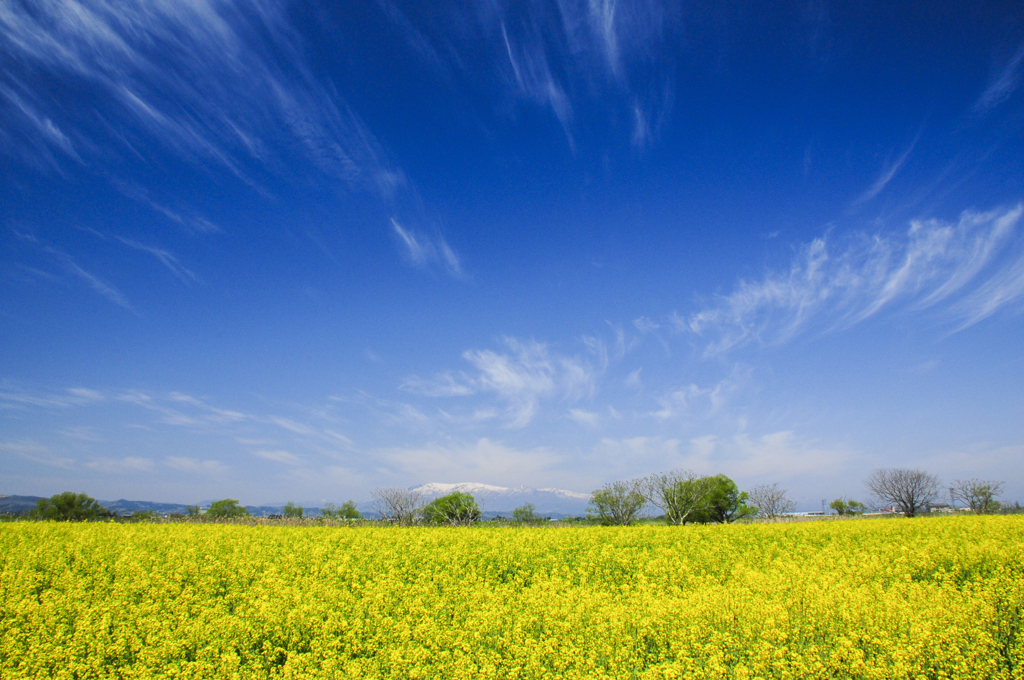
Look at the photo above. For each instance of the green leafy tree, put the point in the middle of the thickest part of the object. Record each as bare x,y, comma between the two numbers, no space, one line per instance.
194,511
526,513
846,507
226,509
70,507
618,504
724,503
144,516
456,508
292,511
347,510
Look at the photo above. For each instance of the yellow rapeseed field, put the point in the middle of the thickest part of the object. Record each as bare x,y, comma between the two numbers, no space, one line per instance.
925,598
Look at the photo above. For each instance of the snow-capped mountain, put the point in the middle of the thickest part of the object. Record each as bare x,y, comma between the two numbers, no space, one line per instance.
503,499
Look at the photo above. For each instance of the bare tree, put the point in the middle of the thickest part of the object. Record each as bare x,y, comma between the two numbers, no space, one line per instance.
770,501
909,490
618,503
978,494
397,504
678,494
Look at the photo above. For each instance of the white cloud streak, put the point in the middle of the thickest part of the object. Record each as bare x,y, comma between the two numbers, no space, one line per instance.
1002,85
196,466
424,251
71,266
121,465
292,426
36,453
191,222
43,128
17,398
96,283
966,270
533,78
219,82
165,258
888,172
554,53
278,456
104,415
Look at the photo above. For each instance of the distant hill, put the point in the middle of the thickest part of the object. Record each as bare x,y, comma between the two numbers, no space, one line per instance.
493,500
21,505
17,505
126,507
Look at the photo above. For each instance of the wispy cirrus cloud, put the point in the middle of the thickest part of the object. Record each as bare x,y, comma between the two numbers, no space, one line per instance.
533,79
424,251
278,456
196,466
36,453
967,270
12,396
94,282
888,172
104,415
166,258
1003,83
85,394
555,54
520,378
83,433
170,416
32,135
121,465
292,426
222,83
71,266
211,413
184,217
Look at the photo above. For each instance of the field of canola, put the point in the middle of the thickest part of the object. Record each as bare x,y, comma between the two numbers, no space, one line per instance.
927,598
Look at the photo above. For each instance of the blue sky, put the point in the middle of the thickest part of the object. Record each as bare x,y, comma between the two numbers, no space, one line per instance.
281,251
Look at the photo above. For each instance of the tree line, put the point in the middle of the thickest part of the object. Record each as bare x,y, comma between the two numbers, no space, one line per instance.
912,491
683,497
677,497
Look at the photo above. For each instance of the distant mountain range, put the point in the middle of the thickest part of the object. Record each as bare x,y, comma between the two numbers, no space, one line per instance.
21,505
493,500
17,505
